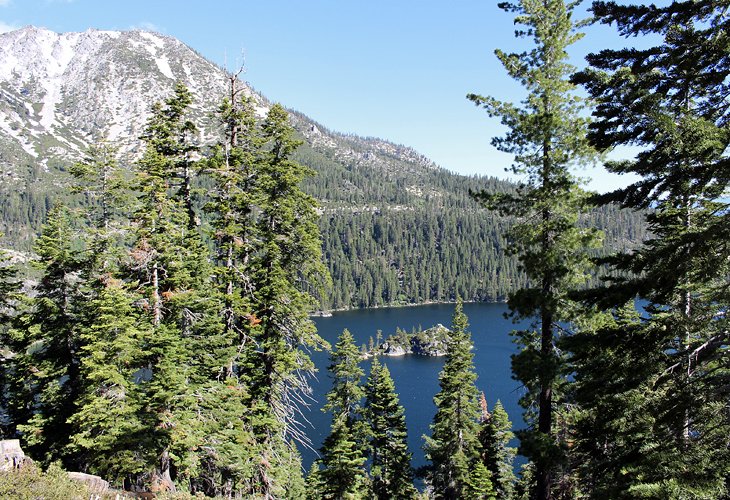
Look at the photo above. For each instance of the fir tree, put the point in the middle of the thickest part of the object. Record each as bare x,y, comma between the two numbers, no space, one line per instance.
103,184
171,264
49,356
106,427
453,447
343,453
234,168
286,261
313,482
391,474
547,136
497,455
170,134
669,369
229,449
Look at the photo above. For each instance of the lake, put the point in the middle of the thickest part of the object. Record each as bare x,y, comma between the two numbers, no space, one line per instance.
416,377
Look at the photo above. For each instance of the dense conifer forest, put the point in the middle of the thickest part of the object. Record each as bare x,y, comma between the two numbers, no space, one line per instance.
382,244
162,338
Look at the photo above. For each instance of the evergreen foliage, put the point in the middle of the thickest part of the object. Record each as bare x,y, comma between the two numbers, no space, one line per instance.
456,469
285,261
225,391
171,266
139,354
391,474
167,338
107,428
343,452
9,288
48,345
655,423
495,435
547,136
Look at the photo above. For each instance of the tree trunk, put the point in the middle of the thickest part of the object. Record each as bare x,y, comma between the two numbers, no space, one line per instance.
544,426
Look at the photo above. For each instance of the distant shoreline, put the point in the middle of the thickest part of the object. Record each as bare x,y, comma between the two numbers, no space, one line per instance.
329,312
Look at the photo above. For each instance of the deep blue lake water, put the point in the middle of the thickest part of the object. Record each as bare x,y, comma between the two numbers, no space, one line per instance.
416,377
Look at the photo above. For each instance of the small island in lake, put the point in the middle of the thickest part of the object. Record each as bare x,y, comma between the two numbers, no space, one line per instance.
429,342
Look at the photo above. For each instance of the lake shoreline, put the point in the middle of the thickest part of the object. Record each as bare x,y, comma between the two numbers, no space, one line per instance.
327,313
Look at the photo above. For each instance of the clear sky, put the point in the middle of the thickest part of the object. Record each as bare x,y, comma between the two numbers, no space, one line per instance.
395,69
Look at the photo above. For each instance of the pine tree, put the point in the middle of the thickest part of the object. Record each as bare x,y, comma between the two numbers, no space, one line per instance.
286,262
666,99
453,447
497,455
547,136
343,451
49,356
391,474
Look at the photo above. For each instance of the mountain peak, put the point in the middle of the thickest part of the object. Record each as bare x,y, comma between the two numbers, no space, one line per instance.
59,92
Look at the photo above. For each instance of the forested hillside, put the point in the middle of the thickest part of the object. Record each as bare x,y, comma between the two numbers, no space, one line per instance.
397,229
166,341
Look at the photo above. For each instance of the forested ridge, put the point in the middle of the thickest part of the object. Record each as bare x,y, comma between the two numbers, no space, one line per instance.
403,235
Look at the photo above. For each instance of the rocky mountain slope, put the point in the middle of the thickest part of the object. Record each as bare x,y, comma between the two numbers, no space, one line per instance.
61,92
397,228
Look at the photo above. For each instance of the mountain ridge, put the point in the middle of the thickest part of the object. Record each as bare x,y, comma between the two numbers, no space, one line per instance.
392,218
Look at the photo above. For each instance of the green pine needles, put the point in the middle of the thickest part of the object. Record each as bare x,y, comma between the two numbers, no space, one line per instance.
159,352
547,136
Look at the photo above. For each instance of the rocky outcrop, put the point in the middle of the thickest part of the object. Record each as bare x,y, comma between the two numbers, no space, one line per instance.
11,455
392,349
95,484
429,342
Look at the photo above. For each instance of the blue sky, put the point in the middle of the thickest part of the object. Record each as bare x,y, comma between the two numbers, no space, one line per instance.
395,69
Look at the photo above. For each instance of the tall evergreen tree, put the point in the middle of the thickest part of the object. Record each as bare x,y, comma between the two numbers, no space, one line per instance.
234,168
547,136
391,474
669,100
343,451
103,184
286,262
49,356
453,447
171,134
497,455
106,426
229,451
174,273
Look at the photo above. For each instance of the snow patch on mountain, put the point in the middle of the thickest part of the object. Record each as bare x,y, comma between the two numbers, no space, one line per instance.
61,92
164,66
151,37
7,128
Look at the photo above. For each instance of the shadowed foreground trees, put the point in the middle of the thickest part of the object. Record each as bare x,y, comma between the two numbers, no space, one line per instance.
653,385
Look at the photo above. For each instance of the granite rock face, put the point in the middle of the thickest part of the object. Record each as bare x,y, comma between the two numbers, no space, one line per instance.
94,483
11,455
